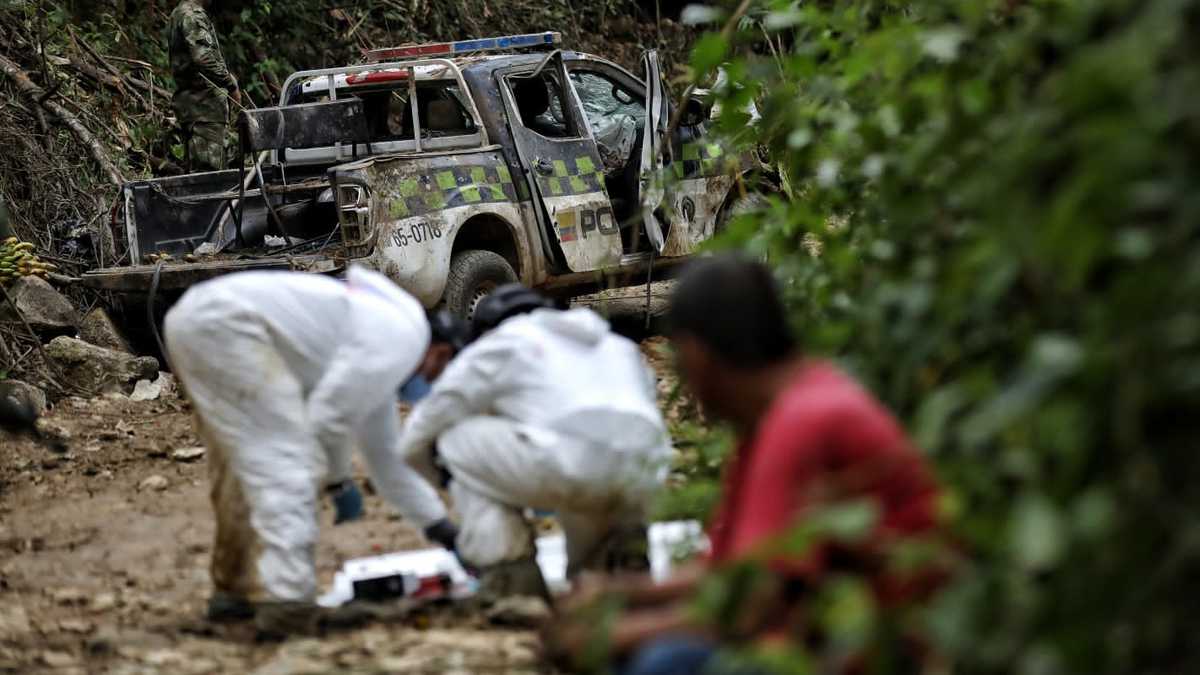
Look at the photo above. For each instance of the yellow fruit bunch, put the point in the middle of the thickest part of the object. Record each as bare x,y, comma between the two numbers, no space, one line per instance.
17,259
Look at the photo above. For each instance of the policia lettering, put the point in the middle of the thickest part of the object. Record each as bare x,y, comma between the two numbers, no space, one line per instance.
579,223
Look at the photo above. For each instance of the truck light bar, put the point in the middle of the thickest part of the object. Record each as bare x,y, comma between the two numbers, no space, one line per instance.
491,44
373,76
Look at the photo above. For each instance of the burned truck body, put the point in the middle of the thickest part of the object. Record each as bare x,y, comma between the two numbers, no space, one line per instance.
450,175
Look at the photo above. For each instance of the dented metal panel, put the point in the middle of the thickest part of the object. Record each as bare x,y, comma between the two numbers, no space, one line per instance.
564,173
418,205
698,184
695,206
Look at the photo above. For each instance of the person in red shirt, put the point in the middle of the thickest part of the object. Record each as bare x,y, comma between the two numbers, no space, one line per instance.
809,437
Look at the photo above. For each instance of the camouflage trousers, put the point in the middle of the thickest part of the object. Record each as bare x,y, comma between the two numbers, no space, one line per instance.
204,145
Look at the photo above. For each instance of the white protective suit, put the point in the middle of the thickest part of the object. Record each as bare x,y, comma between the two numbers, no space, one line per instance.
287,373
551,410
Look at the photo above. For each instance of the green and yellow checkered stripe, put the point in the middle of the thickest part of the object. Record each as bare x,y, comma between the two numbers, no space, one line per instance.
698,160
450,187
572,177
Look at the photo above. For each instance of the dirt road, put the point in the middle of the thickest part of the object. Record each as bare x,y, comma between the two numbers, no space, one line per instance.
104,563
104,554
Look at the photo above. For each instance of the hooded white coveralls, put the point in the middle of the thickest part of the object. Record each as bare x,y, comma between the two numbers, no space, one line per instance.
551,410
286,373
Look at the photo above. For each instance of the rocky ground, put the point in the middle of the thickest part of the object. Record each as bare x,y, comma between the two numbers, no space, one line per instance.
104,553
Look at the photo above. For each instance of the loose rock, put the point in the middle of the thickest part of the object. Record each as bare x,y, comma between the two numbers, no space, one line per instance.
81,626
163,657
46,310
24,395
98,329
103,602
54,430
150,450
188,454
14,623
519,611
69,596
98,369
56,659
156,482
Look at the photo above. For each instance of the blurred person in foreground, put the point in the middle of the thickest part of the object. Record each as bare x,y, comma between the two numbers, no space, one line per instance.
287,373
809,437
548,409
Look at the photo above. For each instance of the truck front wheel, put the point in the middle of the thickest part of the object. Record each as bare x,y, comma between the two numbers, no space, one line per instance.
474,274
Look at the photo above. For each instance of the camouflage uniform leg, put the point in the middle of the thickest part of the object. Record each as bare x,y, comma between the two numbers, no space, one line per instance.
206,146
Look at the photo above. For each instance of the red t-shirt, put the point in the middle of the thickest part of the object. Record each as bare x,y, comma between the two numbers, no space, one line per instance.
824,439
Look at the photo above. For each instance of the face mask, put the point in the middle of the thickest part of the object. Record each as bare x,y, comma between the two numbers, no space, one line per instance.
415,389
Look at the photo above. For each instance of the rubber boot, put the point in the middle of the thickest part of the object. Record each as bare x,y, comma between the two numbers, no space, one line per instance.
515,577
628,550
624,549
225,607
279,620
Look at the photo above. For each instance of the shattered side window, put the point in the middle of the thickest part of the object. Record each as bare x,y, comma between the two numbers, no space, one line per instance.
439,106
442,111
540,103
386,113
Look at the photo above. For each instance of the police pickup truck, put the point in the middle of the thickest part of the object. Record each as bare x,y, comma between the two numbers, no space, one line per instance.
451,168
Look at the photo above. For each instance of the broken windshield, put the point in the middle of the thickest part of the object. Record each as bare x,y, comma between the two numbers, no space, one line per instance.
604,99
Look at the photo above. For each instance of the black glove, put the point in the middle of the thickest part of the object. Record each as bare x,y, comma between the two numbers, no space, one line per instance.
347,501
443,532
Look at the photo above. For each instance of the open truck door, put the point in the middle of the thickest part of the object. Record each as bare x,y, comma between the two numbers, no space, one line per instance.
651,181
562,167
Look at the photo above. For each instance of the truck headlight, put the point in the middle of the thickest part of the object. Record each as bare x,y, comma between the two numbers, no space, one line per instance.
354,214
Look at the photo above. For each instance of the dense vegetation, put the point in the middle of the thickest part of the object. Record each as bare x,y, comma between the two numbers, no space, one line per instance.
989,214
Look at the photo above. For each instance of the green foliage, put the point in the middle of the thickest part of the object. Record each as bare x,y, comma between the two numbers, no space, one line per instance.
695,475
1004,197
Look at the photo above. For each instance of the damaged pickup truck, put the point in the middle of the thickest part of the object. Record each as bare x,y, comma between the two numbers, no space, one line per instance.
451,168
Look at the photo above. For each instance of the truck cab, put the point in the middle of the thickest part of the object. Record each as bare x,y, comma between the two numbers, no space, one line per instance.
451,168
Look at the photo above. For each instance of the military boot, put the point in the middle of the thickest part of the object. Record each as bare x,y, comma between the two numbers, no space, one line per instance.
515,577
279,620
628,550
226,607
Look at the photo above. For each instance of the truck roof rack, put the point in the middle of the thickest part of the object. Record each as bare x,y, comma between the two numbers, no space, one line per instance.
463,47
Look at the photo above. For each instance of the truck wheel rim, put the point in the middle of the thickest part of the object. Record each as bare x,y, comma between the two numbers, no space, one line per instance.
481,292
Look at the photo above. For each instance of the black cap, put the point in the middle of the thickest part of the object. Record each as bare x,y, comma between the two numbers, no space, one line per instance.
447,328
507,300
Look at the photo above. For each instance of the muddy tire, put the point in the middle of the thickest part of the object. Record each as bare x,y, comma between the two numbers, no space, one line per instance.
474,274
